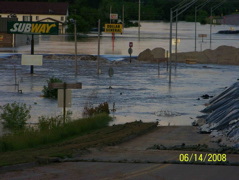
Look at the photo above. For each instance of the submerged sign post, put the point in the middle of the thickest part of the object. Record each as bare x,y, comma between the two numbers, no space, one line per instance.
32,28
64,94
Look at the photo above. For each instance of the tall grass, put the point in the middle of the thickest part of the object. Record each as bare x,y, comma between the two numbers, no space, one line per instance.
30,138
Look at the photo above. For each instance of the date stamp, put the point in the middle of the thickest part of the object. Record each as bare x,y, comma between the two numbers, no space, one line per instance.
209,157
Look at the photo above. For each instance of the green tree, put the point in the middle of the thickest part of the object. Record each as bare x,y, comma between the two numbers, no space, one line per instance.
15,115
51,93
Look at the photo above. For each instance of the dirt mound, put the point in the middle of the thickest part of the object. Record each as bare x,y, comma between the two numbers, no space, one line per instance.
221,55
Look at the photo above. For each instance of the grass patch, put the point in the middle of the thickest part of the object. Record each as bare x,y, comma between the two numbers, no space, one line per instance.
30,138
78,144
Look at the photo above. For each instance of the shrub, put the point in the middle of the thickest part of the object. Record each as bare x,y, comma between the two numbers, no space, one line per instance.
15,115
90,111
51,93
32,138
45,122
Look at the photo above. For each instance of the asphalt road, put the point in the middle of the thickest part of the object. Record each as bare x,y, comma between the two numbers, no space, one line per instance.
132,160
139,171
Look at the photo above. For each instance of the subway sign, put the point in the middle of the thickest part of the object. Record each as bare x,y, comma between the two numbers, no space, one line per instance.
24,27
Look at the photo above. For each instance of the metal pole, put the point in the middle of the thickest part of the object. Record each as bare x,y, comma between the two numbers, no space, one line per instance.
195,46
158,68
167,61
170,44
15,73
76,66
123,16
98,57
176,45
64,103
211,29
197,8
32,52
212,9
110,13
139,21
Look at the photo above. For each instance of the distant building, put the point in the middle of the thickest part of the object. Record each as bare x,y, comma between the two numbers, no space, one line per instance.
37,12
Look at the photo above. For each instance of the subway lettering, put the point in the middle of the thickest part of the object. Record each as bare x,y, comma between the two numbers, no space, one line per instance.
32,28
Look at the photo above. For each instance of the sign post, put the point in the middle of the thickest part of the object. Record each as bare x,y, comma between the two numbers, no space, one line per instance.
110,73
130,50
202,36
32,28
113,28
65,86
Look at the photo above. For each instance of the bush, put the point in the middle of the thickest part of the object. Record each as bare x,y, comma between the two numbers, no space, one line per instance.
32,138
51,93
90,111
15,115
45,122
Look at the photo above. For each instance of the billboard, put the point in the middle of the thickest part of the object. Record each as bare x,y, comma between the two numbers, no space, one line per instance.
26,27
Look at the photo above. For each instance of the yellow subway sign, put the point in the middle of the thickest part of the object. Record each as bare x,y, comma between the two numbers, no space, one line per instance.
24,27
113,28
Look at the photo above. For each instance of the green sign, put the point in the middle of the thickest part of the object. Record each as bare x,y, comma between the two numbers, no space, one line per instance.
24,27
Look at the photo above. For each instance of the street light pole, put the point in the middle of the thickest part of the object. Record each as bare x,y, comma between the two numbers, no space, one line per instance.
139,20
75,35
212,9
183,7
170,44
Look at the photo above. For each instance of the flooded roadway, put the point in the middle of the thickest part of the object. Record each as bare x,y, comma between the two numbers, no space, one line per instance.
138,92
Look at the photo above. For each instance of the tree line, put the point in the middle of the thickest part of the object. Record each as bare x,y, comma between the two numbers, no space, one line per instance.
87,12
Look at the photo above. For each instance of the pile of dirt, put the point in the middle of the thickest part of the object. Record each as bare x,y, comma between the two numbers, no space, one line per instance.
221,55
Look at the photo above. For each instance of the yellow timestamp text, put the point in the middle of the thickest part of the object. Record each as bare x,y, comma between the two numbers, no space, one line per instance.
194,157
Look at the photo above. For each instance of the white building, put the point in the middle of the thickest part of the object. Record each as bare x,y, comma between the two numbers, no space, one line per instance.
36,12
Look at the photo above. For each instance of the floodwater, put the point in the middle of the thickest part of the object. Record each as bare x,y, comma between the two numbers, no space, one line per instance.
138,93
152,35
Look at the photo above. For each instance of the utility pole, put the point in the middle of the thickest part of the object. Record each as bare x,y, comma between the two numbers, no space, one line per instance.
180,8
75,35
212,9
139,20
98,57
197,8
